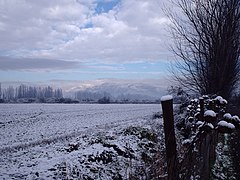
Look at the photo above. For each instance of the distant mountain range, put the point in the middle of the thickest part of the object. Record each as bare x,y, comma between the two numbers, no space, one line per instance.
118,91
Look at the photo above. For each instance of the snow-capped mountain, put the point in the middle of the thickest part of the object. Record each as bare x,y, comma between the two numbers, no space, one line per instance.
120,89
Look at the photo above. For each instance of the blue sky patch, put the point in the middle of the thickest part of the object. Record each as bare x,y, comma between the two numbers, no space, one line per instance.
104,6
88,25
93,71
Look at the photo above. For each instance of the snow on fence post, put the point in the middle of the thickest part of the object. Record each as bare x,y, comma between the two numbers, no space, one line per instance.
170,139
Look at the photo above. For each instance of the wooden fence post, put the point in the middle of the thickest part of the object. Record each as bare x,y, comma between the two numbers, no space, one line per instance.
201,102
170,140
205,155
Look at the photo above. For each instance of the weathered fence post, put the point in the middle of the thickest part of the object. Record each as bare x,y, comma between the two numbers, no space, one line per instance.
170,140
201,102
205,155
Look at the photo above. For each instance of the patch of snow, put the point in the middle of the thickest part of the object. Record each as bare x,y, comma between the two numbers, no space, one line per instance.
227,116
221,100
205,96
166,98
210,113
187,141
189,106
197,114
236,119
210,125
195,100
190,118
226,124
199,123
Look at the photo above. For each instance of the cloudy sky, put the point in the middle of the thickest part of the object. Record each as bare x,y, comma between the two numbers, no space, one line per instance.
43,40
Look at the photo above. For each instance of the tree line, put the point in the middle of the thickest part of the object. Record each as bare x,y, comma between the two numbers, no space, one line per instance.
13,94
106,98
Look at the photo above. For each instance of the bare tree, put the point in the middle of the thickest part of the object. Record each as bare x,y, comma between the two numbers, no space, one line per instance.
207,40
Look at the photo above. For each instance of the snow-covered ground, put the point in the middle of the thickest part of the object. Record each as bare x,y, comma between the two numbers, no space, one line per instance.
56,140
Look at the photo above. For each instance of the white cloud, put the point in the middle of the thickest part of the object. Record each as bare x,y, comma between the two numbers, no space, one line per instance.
34,25
71,30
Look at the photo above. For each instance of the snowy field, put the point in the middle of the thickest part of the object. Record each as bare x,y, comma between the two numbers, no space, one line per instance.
37,140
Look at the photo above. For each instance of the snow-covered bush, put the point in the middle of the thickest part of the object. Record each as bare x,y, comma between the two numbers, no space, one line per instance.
210,116
225,127
214,111
199,123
